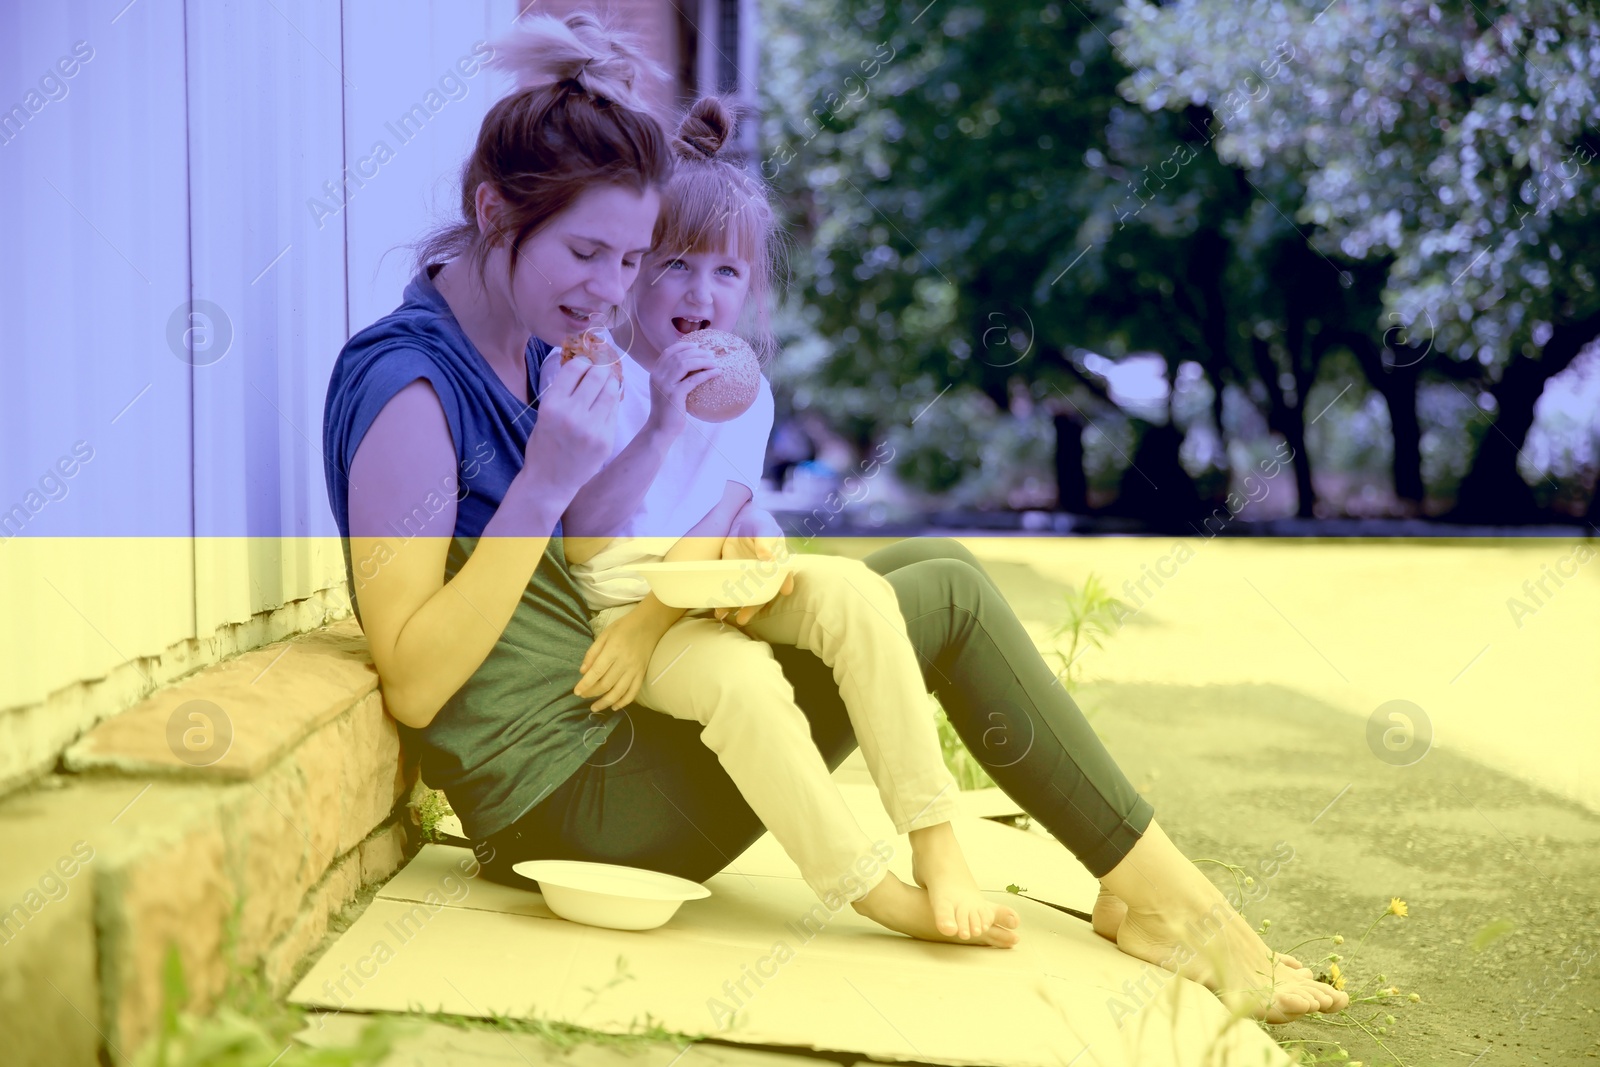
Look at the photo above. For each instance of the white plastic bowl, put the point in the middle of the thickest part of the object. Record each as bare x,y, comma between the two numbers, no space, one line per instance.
722,583
605,894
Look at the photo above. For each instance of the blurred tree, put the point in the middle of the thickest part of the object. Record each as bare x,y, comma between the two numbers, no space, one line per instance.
1450,148
979,203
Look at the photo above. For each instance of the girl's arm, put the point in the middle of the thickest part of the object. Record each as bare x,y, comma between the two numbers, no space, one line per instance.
609,498
704,542
614,667
753,518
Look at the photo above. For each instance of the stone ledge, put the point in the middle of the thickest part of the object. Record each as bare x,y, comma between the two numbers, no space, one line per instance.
374,861
270,699
231,872
34,735
177,867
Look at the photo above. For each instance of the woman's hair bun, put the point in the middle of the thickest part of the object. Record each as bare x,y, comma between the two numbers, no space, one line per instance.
544,50
706,127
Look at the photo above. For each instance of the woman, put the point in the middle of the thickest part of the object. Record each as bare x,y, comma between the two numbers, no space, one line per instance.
453,493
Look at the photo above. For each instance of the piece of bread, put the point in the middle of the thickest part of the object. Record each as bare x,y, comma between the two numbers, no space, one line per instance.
731,393
590,345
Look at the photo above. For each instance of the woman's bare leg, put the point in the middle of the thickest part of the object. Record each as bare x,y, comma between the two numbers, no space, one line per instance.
1110,910
1032,738
1178,920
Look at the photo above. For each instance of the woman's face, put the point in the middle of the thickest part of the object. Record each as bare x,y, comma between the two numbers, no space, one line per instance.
573,273
680,293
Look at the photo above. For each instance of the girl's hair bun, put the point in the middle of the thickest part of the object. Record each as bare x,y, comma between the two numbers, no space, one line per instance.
706,127
607,64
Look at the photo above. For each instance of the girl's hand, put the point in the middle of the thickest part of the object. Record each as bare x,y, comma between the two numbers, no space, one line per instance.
755,534
576,427
681,368
614,667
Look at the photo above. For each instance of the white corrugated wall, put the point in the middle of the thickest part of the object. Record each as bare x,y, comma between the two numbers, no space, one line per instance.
188,156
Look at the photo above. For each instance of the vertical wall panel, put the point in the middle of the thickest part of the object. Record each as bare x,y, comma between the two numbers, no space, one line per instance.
411,118
264,130
176,286
95,242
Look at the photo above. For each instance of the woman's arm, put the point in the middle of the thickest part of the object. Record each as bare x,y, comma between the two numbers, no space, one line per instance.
612,496
609,498
427,637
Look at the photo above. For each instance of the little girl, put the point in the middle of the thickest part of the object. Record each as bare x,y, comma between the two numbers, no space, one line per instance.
713,256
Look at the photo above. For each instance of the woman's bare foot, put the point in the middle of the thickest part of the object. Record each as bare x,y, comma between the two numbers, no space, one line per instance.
1218,949
907,909
1109,911
959,907
1178,920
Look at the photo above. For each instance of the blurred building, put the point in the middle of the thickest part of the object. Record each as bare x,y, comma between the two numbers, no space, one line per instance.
707,46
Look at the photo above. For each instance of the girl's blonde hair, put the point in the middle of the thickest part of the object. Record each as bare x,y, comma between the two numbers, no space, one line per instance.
713,204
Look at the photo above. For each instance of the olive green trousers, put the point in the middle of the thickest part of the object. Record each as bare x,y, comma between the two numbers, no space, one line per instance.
654,796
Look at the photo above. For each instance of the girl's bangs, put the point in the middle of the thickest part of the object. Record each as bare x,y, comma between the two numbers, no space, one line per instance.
701,214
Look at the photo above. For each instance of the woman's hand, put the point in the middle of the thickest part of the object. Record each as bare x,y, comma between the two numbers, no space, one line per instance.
614,667
755,534
681,368
576,427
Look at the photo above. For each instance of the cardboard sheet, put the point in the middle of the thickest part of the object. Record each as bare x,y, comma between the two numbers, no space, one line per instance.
762,961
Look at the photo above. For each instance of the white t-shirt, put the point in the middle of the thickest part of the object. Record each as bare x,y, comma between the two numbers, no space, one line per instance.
694,472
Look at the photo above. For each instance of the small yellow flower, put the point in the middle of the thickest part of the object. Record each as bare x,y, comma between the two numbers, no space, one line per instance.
1335,976
1397,907
1338,939
1392,991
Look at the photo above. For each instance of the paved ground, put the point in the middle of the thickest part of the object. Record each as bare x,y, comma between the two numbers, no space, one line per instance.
428,1043
1354,623
1238,696
1249,773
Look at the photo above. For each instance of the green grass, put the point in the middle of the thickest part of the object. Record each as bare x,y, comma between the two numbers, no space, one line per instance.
249,1028
565,1036
1089,617
430,809
964,766
1091,614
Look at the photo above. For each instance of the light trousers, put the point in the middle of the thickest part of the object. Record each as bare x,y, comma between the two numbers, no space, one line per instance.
652,795
728,680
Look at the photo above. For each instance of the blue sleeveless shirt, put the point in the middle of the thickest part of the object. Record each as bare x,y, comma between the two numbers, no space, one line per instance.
514,731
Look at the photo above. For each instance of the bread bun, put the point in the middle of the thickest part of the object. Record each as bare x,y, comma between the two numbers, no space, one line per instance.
590,345
731,393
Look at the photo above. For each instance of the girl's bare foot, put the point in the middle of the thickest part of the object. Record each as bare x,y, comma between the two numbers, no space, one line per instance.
959,907
907,909
1178,920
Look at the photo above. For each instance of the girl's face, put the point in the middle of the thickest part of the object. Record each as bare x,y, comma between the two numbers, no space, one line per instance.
684,292
574,272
